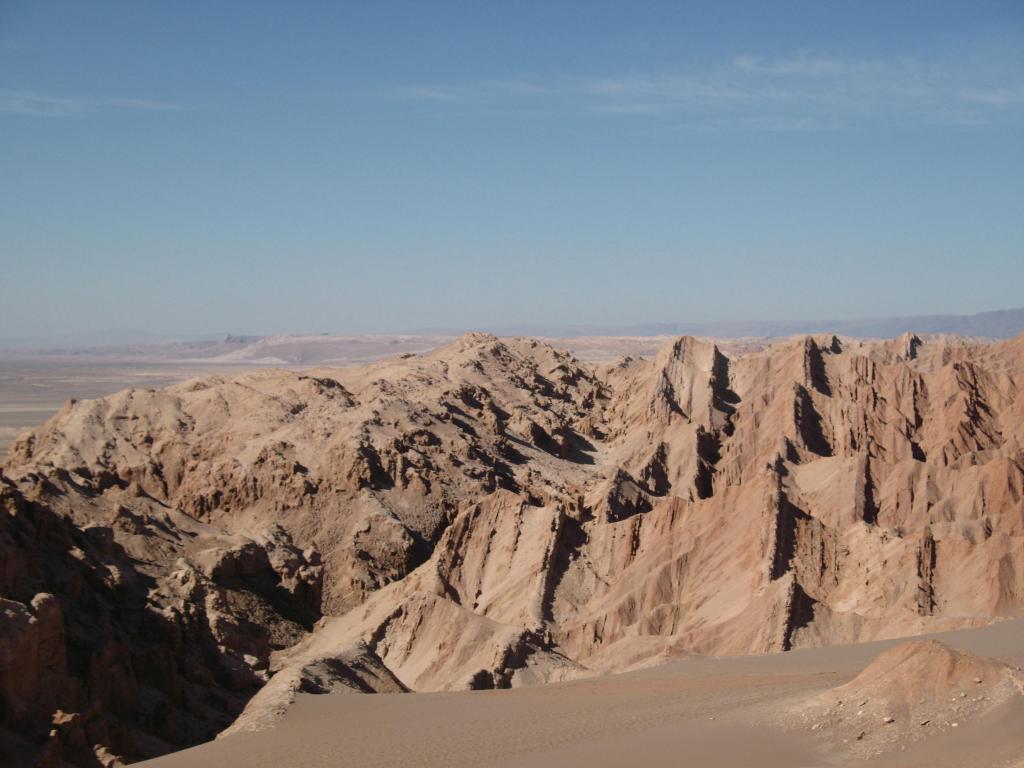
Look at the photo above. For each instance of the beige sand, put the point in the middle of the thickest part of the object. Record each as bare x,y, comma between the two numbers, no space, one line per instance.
695,712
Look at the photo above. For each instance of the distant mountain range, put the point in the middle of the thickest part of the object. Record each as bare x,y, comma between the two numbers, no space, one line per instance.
999,324
109,337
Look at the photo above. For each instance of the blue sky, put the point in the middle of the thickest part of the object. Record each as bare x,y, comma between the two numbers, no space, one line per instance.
379,166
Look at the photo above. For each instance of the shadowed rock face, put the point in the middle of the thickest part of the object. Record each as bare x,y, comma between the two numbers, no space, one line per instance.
136,632
493,514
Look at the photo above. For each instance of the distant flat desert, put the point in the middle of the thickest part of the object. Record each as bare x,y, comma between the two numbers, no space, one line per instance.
34,389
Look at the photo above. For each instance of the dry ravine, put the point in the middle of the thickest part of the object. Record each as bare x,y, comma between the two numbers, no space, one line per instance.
182,562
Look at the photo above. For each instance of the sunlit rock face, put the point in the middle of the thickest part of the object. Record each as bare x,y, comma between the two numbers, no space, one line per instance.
494,513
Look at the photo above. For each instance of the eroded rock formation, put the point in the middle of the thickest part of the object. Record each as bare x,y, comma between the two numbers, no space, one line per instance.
494,513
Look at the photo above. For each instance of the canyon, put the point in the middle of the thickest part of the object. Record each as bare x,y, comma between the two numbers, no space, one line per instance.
185,562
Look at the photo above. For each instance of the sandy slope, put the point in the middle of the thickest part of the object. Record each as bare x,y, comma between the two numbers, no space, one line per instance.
696,712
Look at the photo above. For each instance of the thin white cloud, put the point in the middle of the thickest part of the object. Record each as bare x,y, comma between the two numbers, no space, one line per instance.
799,92
807,65
147,105
443,93
996,97
37,105
34,104
633,108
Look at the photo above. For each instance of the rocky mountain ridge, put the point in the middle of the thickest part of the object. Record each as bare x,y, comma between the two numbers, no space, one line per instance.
493,513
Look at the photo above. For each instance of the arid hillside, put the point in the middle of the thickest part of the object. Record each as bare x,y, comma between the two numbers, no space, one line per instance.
494,513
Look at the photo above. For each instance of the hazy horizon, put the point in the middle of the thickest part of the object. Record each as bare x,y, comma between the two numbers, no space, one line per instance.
262,169
999,323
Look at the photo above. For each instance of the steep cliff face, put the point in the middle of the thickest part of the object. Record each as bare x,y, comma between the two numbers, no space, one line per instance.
496,513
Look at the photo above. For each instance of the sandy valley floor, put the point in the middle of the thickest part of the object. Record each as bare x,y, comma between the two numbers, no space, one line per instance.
727,712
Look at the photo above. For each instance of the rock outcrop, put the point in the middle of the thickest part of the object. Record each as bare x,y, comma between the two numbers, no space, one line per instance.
910,693
494,513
